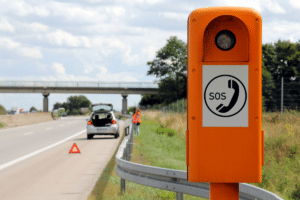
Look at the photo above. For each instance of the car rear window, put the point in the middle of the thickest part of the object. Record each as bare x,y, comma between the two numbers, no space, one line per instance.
101,108
103,116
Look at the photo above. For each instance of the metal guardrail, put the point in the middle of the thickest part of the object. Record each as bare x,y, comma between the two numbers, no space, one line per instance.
170,179
78,84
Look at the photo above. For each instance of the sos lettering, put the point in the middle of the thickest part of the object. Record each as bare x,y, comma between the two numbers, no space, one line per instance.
217,96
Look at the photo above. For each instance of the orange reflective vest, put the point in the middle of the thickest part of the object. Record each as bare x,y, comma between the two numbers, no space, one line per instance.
137,118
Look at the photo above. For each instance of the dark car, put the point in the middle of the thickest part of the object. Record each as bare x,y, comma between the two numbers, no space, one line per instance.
64,114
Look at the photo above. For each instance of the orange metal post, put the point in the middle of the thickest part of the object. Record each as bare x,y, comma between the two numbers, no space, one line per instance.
224,191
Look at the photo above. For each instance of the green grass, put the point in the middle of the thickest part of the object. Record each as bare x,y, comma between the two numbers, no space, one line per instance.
280,173
2,125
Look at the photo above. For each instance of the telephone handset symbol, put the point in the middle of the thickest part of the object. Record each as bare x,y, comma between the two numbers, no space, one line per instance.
231,84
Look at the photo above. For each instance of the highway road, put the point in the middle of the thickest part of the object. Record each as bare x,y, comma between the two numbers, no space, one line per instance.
35,162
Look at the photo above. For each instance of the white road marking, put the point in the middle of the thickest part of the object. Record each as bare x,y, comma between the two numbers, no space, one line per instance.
28,133
62,125
38,151
70,123
14,128
48,128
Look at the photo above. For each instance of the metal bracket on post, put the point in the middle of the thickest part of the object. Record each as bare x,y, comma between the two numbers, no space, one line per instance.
224,191
179,195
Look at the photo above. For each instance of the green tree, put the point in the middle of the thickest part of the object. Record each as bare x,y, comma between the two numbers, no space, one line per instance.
57,105
150,99
2,110
268,69
281,59
32,109
287,64
170,66
131,109
77,102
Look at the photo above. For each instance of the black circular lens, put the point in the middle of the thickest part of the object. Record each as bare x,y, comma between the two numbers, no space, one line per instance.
225,40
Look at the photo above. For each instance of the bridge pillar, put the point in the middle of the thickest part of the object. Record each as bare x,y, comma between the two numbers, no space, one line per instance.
45,102
124,104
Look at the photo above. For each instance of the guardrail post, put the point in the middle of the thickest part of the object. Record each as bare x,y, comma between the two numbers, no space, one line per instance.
123,181
123,185
179,196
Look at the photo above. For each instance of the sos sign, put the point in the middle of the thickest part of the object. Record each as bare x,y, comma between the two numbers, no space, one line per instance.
224,136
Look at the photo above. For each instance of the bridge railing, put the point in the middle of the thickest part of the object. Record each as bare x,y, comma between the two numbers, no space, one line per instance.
78,84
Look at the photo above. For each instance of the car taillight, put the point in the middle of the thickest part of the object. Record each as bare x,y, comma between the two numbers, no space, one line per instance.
90,122
113,122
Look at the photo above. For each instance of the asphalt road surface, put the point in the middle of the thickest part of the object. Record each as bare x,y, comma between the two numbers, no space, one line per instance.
35,162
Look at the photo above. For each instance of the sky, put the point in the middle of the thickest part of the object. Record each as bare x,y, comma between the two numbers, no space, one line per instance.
106,40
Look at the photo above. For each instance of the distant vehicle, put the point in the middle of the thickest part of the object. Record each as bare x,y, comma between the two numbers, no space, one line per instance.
11,112
34,111
102,121
64,114
21,112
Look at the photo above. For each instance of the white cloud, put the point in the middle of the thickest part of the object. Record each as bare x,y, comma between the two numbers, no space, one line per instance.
59,67
283,29
6,26
116,10
85,41
274,7
73,12
173,15
51,78
150,2
22,8
129,59
8,43
295,3
88,69
61,37
104,75
150,52
37,27
31,52
41,11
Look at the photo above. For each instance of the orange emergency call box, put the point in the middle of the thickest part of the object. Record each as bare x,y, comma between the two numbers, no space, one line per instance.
224,131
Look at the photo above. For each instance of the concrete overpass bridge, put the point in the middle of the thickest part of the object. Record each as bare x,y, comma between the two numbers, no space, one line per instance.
82,87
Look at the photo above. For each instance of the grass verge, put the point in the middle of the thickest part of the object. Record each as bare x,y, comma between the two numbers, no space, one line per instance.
157,145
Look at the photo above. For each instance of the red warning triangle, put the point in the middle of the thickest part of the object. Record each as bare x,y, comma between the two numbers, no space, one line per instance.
74,149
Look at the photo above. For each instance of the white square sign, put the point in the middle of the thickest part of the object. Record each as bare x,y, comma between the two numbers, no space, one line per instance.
225,96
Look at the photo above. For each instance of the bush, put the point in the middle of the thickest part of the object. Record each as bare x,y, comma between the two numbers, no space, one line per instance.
2,110
162,130
171,132
131,109
296,192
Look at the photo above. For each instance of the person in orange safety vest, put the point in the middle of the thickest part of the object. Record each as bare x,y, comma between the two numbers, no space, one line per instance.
136,120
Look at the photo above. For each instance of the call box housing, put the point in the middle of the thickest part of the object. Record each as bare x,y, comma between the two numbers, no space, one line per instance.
224,132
